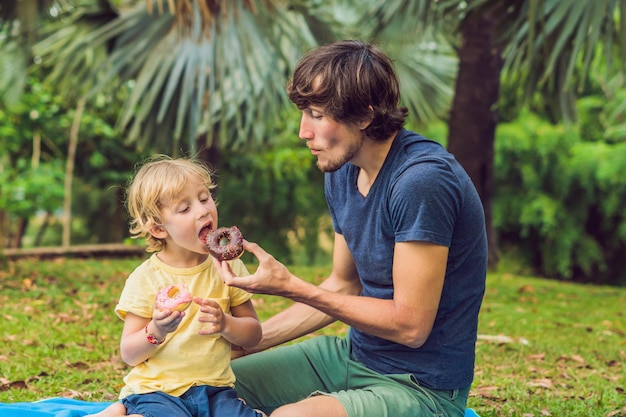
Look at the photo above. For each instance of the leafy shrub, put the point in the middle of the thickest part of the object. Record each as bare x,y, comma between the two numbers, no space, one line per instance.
560,199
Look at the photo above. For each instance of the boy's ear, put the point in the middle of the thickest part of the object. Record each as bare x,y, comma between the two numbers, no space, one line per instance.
158,232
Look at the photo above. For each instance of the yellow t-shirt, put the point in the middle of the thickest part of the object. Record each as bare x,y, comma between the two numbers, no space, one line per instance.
186,358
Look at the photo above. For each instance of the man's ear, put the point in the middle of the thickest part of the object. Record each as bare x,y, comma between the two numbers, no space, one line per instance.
158,232
364,124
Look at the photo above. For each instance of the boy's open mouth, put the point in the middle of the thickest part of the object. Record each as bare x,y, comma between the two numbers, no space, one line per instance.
204,233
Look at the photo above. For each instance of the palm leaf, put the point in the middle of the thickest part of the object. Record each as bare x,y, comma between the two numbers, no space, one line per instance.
12,72
553,43
392,12
426,70
218,66
425,61
24,23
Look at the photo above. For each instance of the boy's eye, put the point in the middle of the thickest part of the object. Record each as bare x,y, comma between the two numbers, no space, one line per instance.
183,209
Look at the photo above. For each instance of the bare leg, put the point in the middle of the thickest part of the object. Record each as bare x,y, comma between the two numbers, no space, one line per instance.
116,409
321,405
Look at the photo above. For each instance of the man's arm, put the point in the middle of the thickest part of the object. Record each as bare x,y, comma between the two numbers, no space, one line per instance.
300,319
418,276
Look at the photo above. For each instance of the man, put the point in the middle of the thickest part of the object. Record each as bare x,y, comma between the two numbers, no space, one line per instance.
409,260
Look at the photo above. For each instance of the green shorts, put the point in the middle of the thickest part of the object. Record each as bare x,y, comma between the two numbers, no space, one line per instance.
322,366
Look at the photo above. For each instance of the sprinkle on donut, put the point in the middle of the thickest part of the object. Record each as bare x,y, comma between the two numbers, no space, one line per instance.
225,243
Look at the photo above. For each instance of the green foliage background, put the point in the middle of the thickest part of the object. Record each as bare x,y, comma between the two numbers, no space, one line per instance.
559,200
559,188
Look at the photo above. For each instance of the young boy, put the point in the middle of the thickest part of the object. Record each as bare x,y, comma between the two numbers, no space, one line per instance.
180,360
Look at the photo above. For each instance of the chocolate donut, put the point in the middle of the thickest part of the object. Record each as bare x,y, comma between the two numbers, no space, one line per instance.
225,243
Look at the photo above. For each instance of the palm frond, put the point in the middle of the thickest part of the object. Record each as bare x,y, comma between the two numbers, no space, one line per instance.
426,67
22,23
13,72
384,14
552,44
197,72
426,64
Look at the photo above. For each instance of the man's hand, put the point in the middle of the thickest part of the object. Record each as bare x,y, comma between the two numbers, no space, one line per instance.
237,352
271,276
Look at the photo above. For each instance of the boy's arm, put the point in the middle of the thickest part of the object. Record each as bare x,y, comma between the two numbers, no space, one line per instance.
134,346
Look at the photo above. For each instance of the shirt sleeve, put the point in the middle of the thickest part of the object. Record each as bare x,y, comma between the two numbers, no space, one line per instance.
135,297
424,203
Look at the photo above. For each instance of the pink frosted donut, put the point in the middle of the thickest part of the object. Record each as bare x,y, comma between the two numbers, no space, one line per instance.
174,297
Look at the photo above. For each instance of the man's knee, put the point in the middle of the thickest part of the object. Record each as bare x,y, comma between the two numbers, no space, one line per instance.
320,405
289,410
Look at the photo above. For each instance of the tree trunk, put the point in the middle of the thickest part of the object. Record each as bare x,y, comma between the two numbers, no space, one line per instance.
210,155
118,218
42,230
5,232
69,173
22,222
209,152
20,231
473,118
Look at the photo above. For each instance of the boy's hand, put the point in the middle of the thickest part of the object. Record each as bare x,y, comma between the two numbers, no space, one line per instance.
213,316
166,321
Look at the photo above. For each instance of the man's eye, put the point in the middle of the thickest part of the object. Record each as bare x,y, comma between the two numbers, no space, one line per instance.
314,113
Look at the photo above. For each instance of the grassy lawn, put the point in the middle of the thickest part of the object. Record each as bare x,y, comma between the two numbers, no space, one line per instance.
546,348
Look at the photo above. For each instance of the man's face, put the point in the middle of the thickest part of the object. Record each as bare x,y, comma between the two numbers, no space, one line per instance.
333,143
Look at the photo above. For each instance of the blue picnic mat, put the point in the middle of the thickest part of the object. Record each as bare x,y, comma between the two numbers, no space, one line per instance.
52,407
67,407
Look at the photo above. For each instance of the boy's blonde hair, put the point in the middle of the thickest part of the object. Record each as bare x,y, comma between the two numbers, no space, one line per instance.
156,184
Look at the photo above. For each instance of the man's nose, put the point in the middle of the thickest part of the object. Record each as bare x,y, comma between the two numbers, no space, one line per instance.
305,133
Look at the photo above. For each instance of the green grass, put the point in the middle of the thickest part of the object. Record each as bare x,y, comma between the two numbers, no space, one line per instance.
547,348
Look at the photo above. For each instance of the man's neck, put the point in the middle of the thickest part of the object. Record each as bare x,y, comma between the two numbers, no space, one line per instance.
370,160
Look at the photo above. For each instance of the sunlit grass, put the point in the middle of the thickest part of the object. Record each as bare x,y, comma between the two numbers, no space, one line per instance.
547,348
565,355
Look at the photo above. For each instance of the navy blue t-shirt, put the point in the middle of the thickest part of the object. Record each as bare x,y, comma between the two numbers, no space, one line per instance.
420,194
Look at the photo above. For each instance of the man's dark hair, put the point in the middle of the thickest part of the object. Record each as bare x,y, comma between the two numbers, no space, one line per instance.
350,80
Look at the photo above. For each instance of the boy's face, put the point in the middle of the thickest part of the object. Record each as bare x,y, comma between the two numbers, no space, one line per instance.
188,219
333,143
